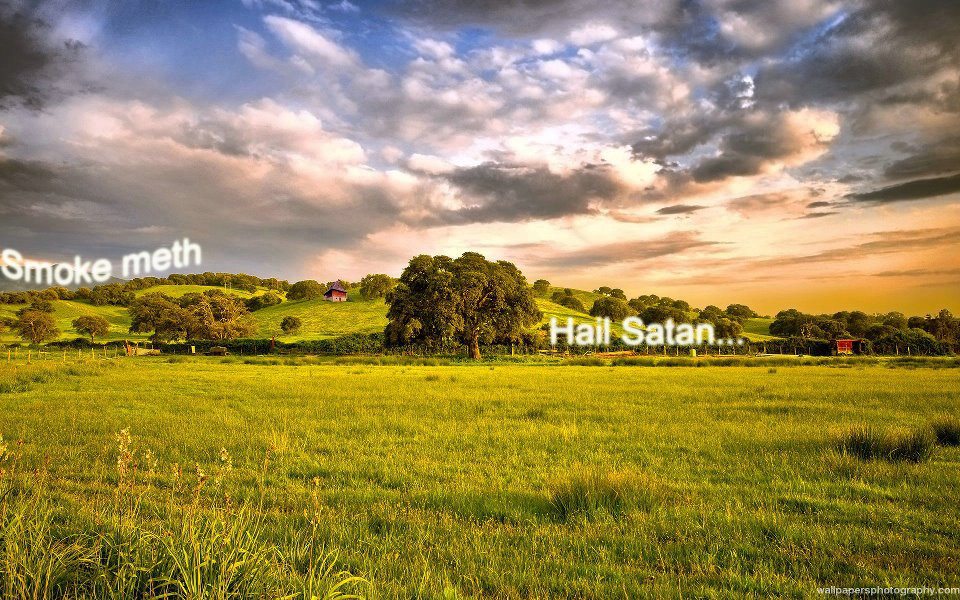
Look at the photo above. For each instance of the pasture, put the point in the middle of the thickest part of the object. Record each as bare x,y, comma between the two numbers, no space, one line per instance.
321,319
502,480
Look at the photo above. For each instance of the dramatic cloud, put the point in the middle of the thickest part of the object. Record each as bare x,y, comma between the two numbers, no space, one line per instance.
496,192
31,63
292,136
912,190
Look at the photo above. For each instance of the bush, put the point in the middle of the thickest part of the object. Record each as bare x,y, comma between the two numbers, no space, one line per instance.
591,495
305,290
947,431
612,308
291,324
869,443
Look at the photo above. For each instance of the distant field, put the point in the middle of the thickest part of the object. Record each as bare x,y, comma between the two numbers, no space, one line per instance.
520,481
758,330
323,319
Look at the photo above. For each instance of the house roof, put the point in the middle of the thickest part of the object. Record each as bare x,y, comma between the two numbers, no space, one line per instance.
336,287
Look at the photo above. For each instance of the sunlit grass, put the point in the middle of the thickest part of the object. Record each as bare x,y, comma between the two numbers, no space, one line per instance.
510,481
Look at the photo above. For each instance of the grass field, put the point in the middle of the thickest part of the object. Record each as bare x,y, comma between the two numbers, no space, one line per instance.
514,480
758,329
321,319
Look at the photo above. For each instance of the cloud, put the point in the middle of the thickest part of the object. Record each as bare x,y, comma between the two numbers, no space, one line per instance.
33,64
680,209
918,189
636,251
315,46
765,141
504,192
592,33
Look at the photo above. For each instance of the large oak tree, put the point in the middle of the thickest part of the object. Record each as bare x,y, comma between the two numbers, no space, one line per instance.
468,299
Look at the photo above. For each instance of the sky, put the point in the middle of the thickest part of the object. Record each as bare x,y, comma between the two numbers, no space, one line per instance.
778,153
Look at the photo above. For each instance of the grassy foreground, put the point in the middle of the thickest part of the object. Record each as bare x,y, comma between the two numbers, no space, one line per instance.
492,480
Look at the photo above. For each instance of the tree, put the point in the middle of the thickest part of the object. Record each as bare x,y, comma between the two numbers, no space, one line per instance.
469,299
566,298
573,303
164,317
291,324
305,290
376,285
263,301
91,325
42,305
36,326
659,313
741,312
611,307
212,315
221,317
618,293
541,287
725,327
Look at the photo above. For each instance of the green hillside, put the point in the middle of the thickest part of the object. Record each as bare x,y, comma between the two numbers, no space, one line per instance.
322,319
758,330
65,311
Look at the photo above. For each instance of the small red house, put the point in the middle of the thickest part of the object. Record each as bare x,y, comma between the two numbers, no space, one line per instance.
336,293
848,346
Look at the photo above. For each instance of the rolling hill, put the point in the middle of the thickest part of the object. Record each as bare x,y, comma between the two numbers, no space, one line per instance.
321,319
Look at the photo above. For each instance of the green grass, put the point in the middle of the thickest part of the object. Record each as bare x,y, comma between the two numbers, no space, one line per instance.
65,311
322,319
514,481
758,330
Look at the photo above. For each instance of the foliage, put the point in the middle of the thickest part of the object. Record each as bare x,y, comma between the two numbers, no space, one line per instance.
207,316
91,325
306,290
740,312
291,324
567,299
376,285
468,298
541,288
36,326
611,307
263,300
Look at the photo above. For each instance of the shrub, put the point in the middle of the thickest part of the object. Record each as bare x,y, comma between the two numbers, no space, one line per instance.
291,324
305,290
869,443
947,431
591,494
612,308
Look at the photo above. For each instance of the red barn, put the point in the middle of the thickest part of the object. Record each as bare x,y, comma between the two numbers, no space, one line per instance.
848,346
336,293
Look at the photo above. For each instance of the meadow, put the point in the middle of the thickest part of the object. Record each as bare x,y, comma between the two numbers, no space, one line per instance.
321,319
483,480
